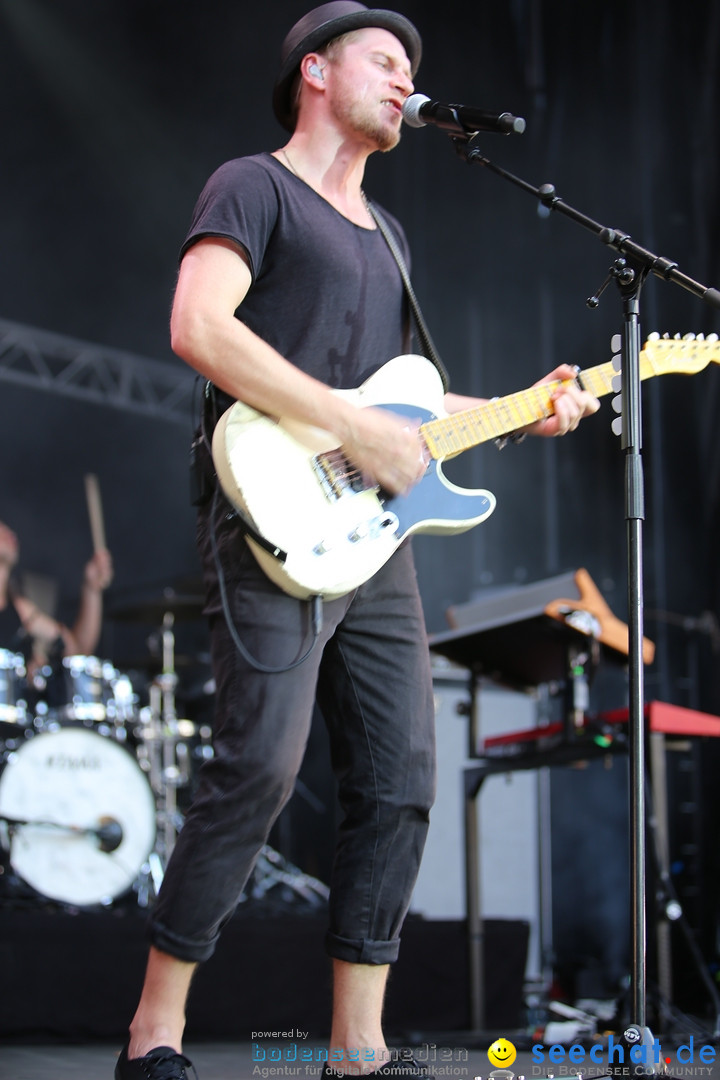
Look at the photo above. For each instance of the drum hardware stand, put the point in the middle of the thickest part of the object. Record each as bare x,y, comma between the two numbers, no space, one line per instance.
272,869
629,272
163,754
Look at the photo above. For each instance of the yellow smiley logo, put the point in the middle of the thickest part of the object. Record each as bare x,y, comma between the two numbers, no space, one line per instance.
501,1054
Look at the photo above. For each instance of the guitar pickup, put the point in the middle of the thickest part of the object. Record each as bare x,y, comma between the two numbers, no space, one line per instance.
337,477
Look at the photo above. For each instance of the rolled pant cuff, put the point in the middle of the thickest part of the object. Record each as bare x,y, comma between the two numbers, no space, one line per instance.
361,950
180,947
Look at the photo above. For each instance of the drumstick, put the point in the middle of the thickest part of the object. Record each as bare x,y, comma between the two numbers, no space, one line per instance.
94,504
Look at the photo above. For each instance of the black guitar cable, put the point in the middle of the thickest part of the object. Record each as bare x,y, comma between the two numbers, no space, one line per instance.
315,603
200,487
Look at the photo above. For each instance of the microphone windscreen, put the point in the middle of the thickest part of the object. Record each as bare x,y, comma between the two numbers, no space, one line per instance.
411,110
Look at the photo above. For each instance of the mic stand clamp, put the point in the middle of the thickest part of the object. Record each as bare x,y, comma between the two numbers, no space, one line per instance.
619,272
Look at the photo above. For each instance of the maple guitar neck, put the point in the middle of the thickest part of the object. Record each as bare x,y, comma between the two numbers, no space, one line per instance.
493,419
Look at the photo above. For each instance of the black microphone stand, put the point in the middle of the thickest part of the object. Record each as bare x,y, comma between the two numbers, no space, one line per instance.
629,271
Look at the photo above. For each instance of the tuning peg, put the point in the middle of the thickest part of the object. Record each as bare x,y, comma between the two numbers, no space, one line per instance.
616,343
712,337
688,337
617,425
700,337
654,336
617,403
616,383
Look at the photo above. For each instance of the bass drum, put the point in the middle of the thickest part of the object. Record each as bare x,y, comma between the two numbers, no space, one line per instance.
78,816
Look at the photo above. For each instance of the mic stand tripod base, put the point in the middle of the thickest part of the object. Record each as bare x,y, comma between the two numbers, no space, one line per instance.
641,1055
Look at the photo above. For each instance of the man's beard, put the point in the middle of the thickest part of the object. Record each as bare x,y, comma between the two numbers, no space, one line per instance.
356,114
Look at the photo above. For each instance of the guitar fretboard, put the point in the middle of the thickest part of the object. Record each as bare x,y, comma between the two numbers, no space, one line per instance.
493,419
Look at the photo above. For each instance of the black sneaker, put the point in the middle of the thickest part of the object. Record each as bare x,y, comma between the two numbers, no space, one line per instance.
404,1066
162,1063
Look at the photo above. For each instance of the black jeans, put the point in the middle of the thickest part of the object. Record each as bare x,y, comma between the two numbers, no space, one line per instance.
370,669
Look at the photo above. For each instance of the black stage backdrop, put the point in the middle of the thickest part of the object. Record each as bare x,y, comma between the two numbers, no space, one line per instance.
114,114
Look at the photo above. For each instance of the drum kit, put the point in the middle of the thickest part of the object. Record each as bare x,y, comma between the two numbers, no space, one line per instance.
89,776
94,784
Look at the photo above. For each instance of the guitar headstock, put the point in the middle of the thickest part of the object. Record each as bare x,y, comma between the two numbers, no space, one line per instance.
680,355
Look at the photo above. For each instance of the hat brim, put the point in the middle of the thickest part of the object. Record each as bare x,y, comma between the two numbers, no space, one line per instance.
397,24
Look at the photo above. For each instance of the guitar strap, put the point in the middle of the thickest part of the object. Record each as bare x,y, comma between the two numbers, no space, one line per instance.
423,333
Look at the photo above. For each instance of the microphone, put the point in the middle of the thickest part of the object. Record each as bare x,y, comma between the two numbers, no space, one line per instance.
419,110
110,834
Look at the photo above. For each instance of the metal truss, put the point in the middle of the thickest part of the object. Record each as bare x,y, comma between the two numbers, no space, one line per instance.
62,365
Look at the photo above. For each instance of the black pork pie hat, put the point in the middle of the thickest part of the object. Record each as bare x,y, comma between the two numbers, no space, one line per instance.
322,25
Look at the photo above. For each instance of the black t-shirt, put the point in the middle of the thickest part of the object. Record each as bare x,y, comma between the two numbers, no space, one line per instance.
326,293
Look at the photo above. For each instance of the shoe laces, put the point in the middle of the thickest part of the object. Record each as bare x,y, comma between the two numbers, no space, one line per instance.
167,1065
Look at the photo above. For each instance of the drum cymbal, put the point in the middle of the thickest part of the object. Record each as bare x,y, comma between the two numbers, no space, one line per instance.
183,606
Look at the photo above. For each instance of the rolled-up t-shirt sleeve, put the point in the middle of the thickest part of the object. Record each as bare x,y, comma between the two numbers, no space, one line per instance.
238,203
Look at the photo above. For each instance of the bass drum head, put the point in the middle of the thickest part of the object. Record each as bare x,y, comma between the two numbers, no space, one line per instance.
89,816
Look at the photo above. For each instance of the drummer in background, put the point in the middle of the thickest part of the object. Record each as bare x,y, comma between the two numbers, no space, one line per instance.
24,628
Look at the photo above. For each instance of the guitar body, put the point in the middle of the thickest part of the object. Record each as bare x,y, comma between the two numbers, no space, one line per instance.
336,534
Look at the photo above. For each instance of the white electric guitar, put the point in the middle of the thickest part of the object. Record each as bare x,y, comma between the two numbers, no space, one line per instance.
324,531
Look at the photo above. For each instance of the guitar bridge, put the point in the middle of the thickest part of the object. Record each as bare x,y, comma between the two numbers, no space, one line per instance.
337,477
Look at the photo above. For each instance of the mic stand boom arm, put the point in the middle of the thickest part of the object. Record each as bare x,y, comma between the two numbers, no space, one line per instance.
630,273
646,261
